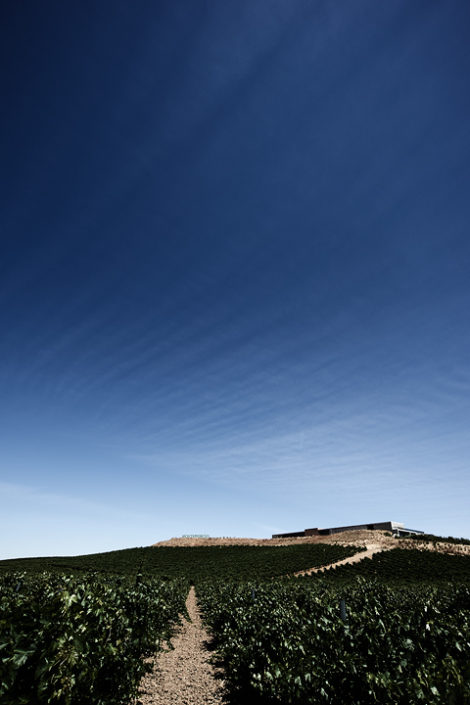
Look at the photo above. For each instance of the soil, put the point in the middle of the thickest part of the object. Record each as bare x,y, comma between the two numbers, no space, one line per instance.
359,538
368,553
184,675
362,537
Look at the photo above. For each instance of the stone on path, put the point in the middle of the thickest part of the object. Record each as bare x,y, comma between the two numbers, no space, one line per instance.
185,675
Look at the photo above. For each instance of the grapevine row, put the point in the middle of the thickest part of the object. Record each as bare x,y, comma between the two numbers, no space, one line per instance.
307,642
194,563
68,640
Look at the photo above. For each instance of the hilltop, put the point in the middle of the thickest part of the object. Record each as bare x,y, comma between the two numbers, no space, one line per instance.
380,540
361,538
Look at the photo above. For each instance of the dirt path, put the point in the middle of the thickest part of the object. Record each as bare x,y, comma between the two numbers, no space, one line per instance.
370,550
184,675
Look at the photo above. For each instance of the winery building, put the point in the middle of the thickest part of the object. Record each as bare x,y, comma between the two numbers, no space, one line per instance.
395,527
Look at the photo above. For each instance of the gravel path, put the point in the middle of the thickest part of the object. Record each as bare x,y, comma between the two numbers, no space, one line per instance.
368,553
185,675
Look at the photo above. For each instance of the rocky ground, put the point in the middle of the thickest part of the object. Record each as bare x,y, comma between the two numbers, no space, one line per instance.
185,675
369,539
359,538
368,553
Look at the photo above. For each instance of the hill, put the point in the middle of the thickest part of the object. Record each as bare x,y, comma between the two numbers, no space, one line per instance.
367,539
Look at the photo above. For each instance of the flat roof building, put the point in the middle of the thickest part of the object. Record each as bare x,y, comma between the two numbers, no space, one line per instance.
396,527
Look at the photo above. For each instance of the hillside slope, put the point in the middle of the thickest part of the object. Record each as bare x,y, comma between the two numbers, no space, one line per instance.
371,540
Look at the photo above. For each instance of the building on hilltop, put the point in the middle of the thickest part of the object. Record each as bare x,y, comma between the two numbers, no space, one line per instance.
395,527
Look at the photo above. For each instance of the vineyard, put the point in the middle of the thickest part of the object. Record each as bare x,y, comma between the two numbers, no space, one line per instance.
194,563
406,566
431,538
314,644
76,640
392,629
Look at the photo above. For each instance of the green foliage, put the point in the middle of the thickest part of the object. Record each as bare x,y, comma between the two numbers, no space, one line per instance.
285,642
431,538
402,636
406,567
74,641
194,563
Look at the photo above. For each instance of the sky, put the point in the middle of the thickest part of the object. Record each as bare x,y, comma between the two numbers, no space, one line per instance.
234,269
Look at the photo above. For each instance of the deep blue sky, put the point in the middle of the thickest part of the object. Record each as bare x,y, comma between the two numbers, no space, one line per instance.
234,273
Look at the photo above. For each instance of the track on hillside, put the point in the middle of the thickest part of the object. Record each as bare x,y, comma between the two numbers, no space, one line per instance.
184,674
368,553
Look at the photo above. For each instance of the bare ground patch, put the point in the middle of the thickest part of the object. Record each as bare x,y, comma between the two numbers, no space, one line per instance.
362,537
185,675
358,538
368,553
